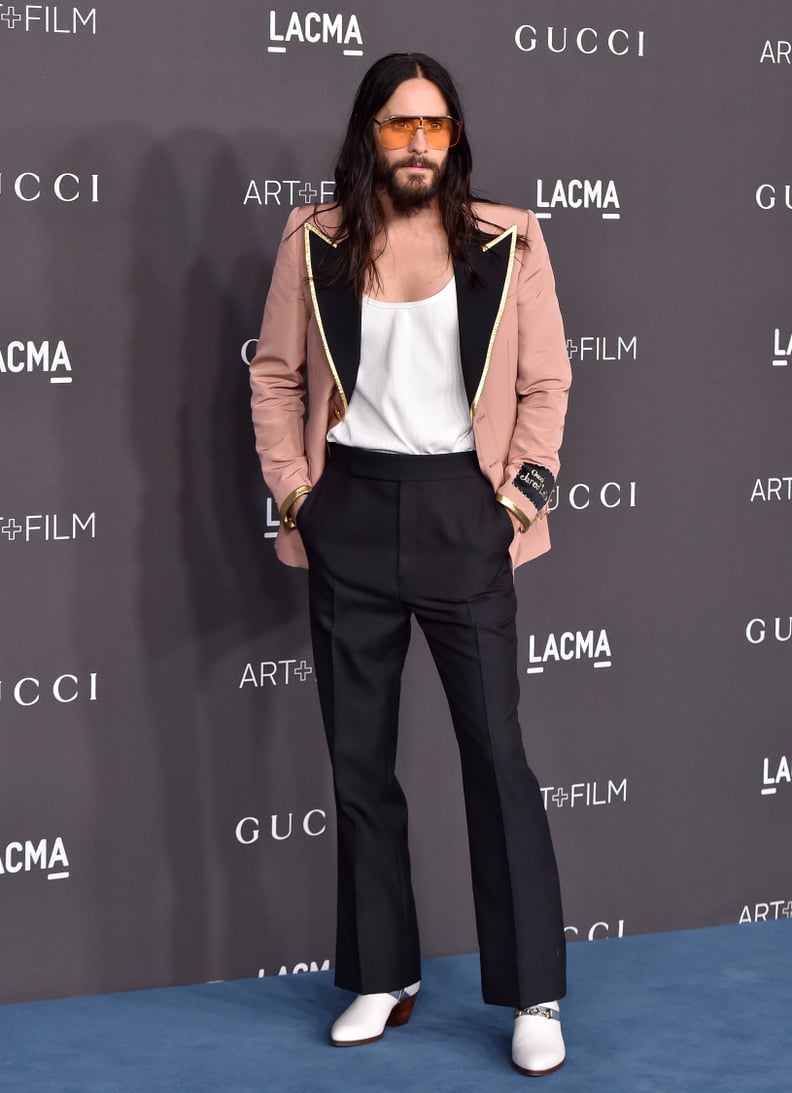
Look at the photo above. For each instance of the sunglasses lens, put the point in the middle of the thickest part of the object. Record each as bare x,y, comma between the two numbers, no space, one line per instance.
441,132
398,132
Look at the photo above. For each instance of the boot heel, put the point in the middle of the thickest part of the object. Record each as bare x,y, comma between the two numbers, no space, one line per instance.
400,1014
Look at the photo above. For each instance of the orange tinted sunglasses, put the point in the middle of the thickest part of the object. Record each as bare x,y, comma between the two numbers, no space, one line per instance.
397,131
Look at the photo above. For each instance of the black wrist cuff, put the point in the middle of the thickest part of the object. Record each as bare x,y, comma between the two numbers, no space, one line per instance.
536,483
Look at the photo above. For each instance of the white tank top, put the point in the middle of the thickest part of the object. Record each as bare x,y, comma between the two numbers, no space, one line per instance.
409,395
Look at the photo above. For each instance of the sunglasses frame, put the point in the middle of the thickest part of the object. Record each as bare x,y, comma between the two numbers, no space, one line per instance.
420,118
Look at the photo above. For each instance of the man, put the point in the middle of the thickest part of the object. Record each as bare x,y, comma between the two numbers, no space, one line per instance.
424,327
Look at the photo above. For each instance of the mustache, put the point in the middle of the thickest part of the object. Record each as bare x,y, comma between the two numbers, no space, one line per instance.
416,161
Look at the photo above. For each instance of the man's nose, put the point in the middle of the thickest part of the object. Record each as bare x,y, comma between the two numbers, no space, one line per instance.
418,143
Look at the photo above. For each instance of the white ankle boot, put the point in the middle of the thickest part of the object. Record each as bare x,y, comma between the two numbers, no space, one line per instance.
365,1020
538,1044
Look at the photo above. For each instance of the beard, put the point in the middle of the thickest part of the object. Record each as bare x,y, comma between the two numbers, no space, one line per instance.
415,193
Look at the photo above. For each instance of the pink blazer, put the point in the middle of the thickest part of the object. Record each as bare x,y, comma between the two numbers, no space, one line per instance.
514,360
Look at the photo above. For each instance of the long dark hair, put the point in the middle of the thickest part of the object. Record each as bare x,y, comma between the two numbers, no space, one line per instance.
355,171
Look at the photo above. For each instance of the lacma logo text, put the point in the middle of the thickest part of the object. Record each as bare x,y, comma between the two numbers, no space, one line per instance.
571,645
49,358
775,773
315,28
301,968
577,193
782,348
24,857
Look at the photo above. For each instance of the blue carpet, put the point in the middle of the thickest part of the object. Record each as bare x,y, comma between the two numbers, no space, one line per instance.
701,1011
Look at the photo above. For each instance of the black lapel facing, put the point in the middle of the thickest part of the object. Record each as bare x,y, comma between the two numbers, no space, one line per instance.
480,306
336,308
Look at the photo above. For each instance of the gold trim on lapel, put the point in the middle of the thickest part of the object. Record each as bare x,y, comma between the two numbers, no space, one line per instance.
317,313
510,233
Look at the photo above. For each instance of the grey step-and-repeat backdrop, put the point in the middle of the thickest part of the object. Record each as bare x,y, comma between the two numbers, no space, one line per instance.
165,803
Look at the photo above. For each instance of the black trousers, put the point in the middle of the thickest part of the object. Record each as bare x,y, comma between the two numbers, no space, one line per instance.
389,536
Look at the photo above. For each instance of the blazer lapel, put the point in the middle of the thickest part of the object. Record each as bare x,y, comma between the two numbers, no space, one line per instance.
336,309
480,306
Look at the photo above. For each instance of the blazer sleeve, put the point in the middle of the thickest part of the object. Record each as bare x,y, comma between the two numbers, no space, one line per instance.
278,371
543,380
